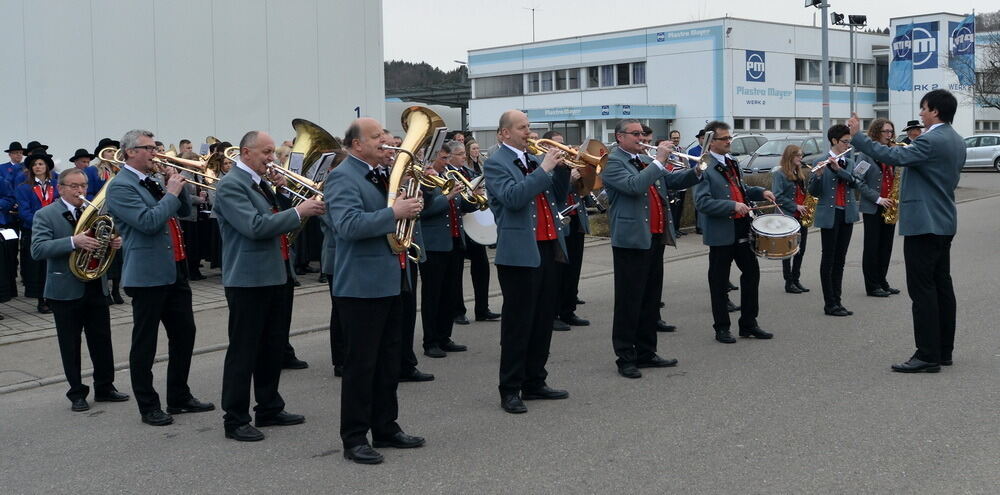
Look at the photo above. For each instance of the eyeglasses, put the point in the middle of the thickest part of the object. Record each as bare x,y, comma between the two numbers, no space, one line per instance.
75,186
799,155
723,138
635,133
844,141
888,131
147,148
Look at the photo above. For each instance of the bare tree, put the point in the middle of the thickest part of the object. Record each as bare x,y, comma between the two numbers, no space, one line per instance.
985,90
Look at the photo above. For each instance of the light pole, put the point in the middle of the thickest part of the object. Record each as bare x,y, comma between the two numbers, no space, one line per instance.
824,72
462,63
853,21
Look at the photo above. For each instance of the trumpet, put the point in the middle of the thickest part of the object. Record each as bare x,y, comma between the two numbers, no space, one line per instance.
469,192
590,164
702,163
432,181
834,158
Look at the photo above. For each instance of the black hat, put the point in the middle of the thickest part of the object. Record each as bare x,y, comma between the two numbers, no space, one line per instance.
14,146
104,143
912,124
35,156
701,133
81,153
35,145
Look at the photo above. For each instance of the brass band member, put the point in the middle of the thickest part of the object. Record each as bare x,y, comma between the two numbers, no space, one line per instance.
836,212
523,191
479,262
575,233
641,225
788,182
934,161
367,281
722,201
35,190
879,178
258,281
154,274
77,306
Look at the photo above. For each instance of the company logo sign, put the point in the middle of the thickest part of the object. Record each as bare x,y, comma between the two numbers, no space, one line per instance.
924,45
755,66
901,47
963,40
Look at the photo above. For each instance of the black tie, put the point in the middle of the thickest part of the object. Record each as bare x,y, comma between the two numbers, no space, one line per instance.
79,211
153,187
266,190
638,163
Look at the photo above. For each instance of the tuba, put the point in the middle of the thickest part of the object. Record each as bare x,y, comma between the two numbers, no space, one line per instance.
419,124
94,222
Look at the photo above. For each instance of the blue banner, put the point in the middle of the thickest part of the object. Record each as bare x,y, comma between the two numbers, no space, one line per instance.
901,66
962,50
924,45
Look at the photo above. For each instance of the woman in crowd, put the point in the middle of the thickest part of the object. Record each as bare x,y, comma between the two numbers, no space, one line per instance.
788,183
37,191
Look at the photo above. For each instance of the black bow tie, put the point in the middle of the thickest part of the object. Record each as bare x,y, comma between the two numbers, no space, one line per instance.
153,187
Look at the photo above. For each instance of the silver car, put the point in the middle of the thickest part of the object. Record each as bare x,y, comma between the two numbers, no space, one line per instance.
768,156
983,150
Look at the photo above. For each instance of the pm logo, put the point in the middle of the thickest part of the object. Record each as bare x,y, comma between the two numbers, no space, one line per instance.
901,47
755,66
963,40
924,43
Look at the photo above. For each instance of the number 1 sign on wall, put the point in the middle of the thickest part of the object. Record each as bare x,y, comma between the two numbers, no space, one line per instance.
357,112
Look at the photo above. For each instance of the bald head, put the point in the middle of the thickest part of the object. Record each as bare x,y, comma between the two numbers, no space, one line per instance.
257,150
514,129
364,139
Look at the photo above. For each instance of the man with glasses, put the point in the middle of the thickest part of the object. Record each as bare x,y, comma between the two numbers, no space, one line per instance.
724,203
155,275
641,225
836,212
77,306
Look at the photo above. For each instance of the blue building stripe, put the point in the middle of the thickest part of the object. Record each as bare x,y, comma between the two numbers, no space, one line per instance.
815,95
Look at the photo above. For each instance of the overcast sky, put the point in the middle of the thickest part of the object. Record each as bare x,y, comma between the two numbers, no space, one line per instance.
441,31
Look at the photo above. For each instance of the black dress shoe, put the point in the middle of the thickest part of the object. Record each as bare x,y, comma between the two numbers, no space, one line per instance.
294,364
451,346
946,362
656,362
434,352
662,326
283,418
43,308
799,285
196,276
560,326
732,308
755,332
416,376
629,370
512,404
878,293
338,370
724,336
915,365
580,301
791,288
111,396
849,312
363,454
117,298
191,406
488,316
244,433
322,278
835,311
157,417
891,290
662,304
79,405
300,271
400,441
461,320
574,321
544,393
296,283
732,287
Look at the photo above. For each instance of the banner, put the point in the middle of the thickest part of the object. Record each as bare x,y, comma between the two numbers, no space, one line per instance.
962,50
901,66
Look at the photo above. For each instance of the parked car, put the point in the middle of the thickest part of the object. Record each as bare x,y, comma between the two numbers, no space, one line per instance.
982,150
768,156
743,145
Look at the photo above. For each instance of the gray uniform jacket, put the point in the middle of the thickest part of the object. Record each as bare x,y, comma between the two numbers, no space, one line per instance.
50,241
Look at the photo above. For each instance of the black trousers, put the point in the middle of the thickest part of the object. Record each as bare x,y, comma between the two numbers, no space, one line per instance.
720,259
638,285
337,344
479,270
570,285
371,369
878,250
259,320
408,300
442,274
529,308
89,315
170,304
192,246
677,208
791,269
928,281
835,242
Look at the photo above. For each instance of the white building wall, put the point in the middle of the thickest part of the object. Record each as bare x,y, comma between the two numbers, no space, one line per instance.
186,68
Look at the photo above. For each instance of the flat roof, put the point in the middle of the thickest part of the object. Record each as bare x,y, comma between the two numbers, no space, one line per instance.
668,25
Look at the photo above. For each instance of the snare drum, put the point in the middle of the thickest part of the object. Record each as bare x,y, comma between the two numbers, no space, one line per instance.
774,236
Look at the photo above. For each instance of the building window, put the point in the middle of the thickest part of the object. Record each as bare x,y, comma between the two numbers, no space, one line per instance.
754,124
865,123
607,75
864,74
547,81
593,80
807,70
561,80
533,80
497,86
987,125
768,124
786,124
838,72
639,73
800,125
624,78
573,78
739,124
814,125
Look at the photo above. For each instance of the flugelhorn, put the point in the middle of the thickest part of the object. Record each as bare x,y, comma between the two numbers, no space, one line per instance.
685,158
589,162
469,191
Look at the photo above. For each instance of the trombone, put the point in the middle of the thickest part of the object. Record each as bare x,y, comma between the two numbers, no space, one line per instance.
167,160
298,181
469,192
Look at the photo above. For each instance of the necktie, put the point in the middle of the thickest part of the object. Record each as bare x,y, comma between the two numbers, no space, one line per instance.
78,211
153,187
265,189
521,166
530,164
637,162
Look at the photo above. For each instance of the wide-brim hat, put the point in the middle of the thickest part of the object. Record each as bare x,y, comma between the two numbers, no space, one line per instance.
35,156
104,143
701,133
14,146
81,153
33,145
913,124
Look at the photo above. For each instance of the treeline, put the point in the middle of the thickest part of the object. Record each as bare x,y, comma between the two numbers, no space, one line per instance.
400,74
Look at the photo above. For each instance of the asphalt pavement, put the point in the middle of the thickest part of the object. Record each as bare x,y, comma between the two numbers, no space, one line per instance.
816,410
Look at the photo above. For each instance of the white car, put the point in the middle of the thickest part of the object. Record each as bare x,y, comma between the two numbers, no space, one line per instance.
982,150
